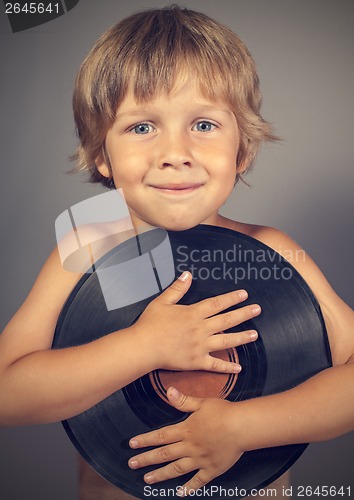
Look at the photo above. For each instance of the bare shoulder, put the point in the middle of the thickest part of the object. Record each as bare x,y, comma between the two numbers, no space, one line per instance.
33,325
339,317
292,252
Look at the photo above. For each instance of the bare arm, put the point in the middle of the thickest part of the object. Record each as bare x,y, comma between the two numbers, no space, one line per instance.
40,385
322,407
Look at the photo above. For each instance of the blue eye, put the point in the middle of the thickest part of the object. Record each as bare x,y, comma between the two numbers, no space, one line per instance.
204,126
142,128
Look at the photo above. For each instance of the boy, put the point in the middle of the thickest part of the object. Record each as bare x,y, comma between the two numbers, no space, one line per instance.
176,165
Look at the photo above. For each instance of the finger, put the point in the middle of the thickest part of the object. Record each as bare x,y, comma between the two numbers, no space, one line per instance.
182,402
170,471
223,322
200,479
158,437
214,305
159,455
228,340
212,364
175,292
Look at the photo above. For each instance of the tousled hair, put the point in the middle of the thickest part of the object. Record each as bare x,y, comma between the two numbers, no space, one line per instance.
147,53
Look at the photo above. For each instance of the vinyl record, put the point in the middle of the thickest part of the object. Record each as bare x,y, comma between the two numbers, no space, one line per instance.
291,347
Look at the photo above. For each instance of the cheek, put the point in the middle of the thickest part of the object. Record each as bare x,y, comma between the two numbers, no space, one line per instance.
224,164
224,151
125,170
125,161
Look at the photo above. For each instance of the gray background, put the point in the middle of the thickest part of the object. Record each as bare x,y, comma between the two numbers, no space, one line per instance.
304,185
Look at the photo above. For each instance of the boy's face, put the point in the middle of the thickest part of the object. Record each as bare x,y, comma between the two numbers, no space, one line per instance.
174,158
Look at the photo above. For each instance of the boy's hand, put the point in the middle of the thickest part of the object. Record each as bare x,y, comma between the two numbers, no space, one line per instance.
199,443
181,337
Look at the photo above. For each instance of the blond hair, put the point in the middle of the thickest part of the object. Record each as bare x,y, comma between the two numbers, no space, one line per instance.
147,53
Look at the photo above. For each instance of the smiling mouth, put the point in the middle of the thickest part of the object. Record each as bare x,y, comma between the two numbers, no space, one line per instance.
182,188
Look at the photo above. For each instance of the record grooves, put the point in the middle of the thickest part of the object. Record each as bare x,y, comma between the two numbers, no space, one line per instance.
292,346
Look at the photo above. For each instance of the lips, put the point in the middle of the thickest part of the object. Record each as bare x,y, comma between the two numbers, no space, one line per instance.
185,186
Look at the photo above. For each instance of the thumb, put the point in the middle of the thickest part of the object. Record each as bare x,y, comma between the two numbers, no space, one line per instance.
182,402
179,287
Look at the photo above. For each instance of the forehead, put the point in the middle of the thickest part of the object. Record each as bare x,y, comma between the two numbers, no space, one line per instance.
187,87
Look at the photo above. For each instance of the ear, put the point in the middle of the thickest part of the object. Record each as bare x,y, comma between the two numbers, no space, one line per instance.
103,164
242,167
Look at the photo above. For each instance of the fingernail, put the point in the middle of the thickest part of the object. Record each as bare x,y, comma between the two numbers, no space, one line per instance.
256,310
149,478
184,276
133,464
237,368
243,294
253,335
173,392
133,443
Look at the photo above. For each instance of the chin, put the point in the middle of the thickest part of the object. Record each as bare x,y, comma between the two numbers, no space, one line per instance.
172,221
180,225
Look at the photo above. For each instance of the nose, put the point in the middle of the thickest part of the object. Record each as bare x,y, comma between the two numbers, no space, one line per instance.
175,150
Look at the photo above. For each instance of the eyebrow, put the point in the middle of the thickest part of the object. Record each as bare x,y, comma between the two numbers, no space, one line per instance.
216,107
202,107
133,112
